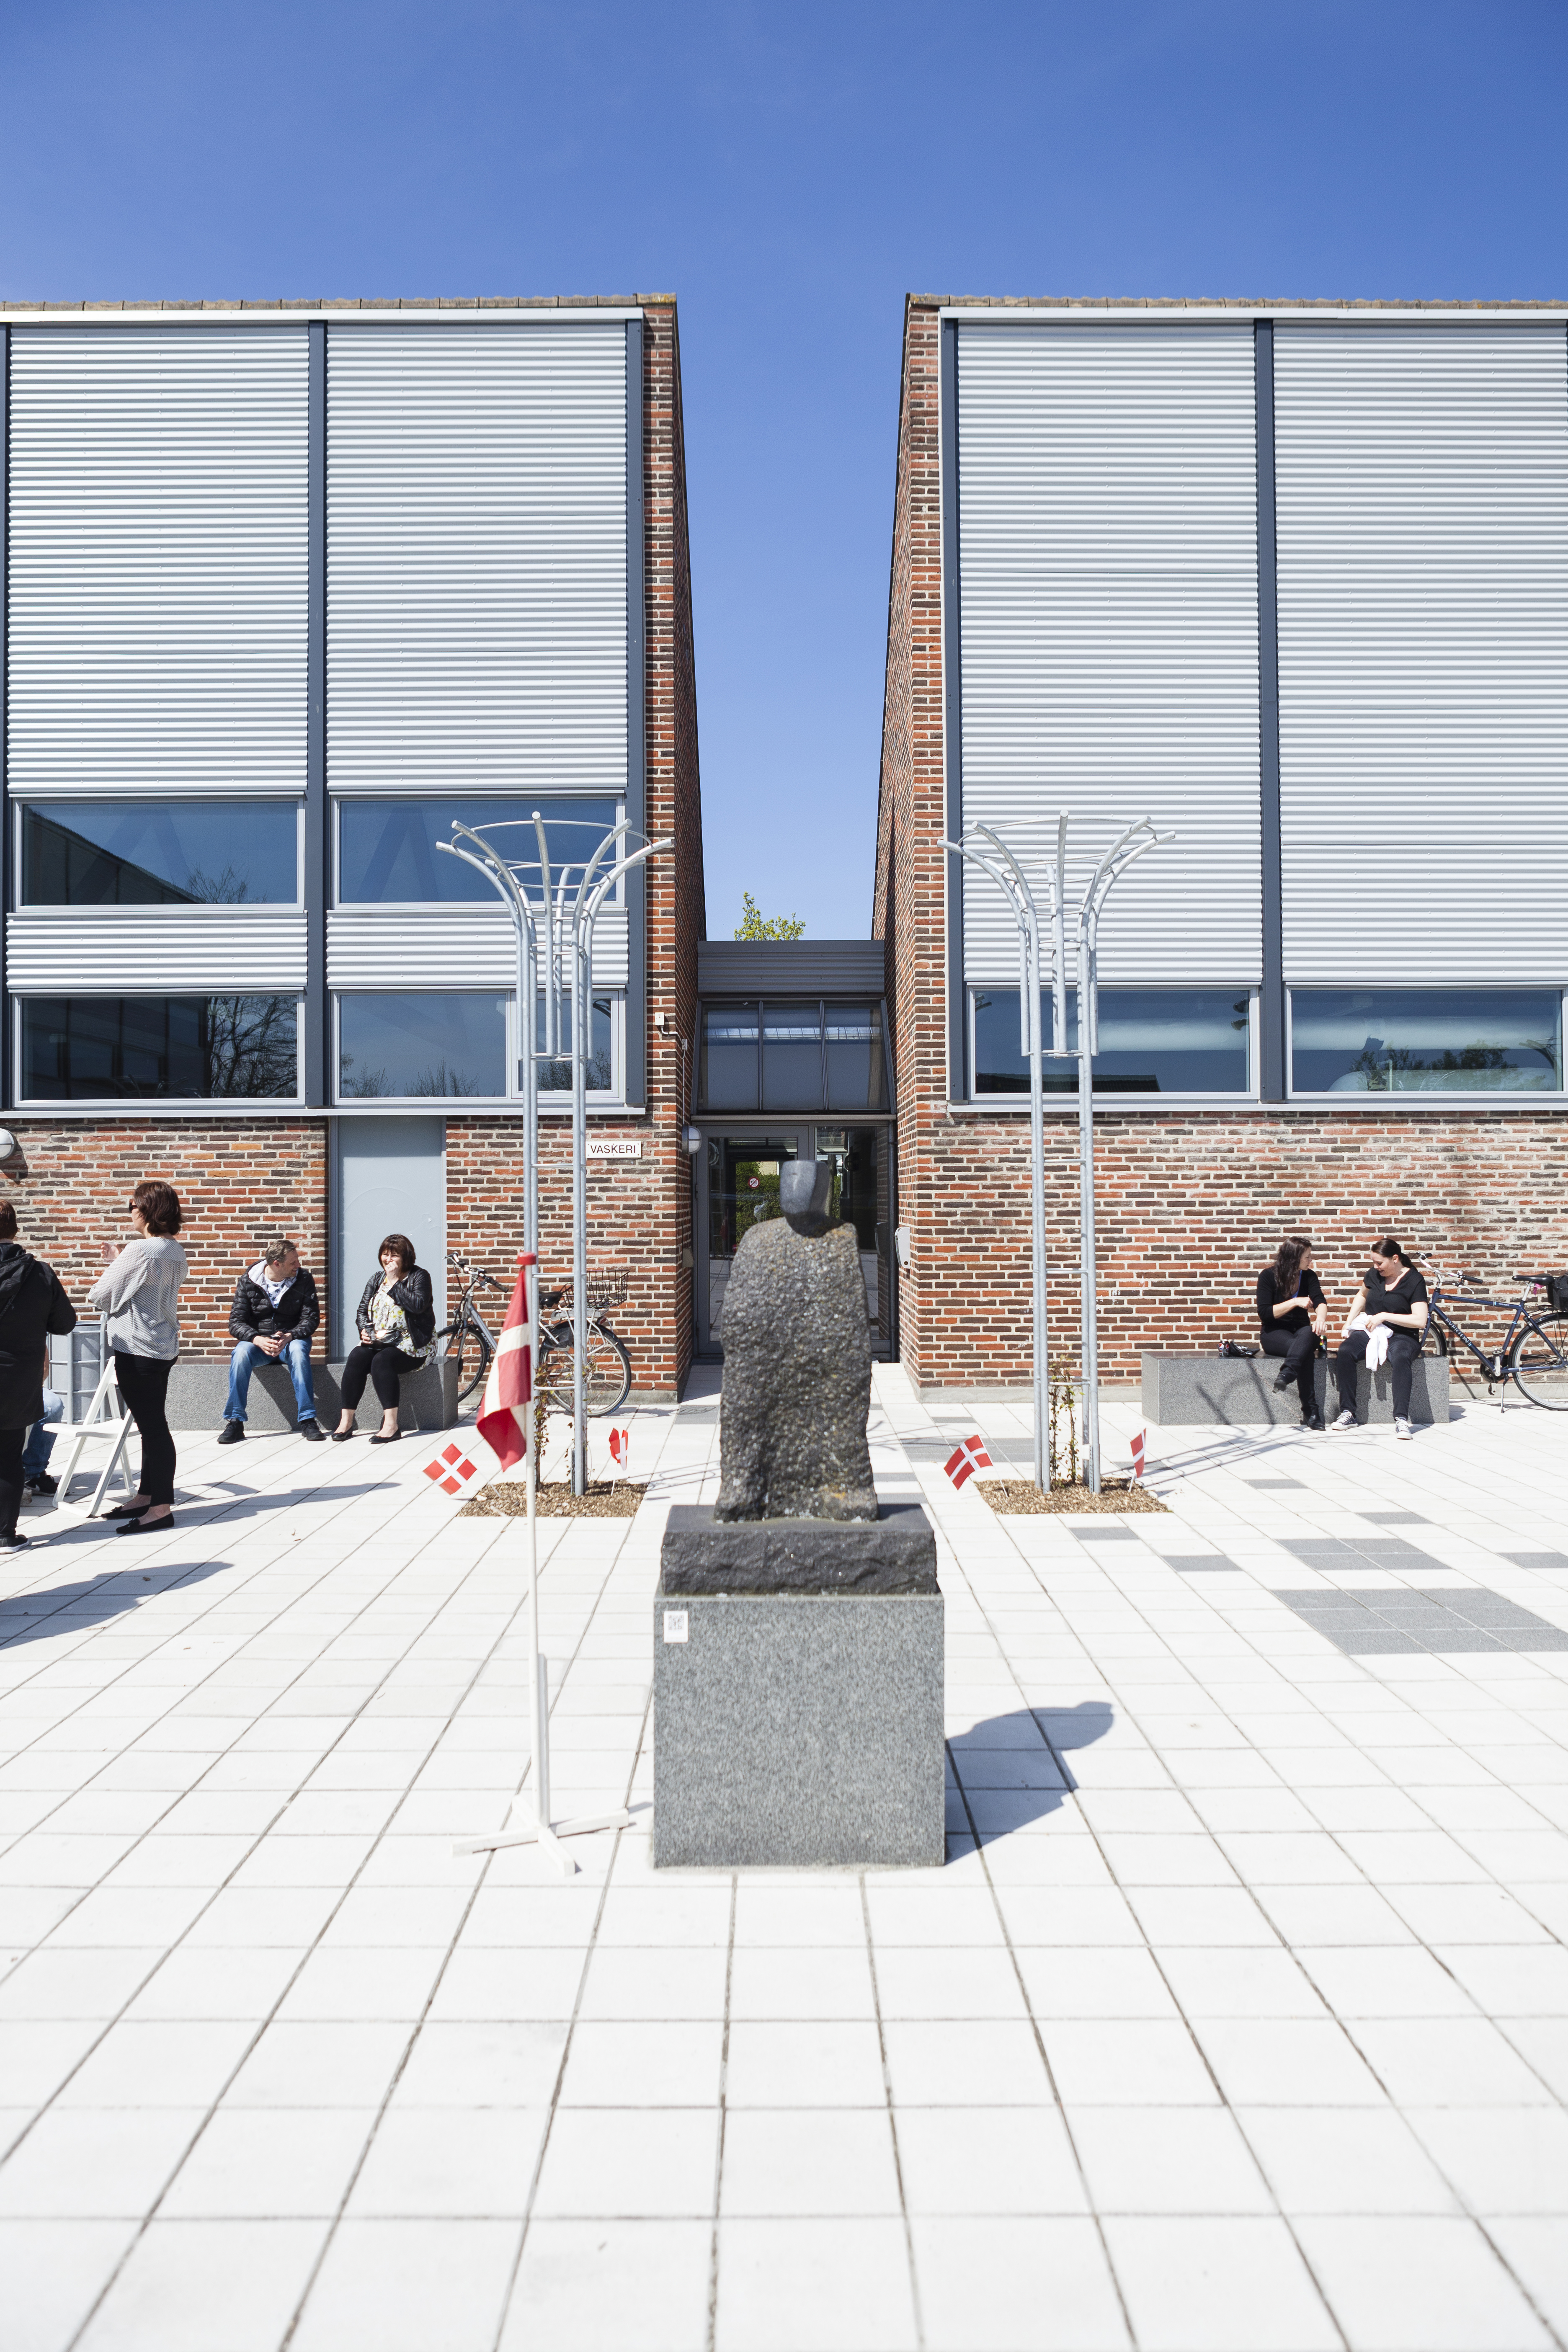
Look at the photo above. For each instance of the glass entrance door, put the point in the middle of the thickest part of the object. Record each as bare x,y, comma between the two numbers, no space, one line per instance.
741,1187
742,1183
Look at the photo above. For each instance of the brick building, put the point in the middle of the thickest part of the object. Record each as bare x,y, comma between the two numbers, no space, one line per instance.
1293,581
287,587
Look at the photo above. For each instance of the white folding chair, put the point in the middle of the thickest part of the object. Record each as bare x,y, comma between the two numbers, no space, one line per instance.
116,1427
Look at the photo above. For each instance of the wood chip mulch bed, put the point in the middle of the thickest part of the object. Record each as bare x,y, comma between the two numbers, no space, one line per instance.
1021,1495
507,1498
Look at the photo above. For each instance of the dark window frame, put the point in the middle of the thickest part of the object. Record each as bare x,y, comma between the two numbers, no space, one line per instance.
822,1107
22,1002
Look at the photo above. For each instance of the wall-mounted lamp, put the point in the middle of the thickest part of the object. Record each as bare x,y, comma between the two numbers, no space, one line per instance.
691,1137
901,1241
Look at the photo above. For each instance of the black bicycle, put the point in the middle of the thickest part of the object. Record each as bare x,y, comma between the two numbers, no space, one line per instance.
468,1338
606,1368
1534,1355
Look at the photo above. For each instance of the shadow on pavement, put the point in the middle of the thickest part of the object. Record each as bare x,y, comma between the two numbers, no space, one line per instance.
1012,1769
92,1600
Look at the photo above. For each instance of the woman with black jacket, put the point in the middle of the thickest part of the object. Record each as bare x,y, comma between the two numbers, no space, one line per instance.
396,1322
1293,1316
32,1305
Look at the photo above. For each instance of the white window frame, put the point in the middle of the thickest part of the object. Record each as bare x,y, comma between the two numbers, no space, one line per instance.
1066,1105
459,907
157,1106
21,803
551,1103
1399,1103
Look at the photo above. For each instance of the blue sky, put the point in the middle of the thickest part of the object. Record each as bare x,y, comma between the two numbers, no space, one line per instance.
789,173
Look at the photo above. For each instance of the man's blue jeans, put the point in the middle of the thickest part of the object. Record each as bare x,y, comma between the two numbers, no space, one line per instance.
41,1440
243,1362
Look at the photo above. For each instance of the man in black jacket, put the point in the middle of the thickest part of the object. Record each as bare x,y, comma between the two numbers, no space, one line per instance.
275,1314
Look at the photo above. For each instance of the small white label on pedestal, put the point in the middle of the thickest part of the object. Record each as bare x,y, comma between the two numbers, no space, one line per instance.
676,1623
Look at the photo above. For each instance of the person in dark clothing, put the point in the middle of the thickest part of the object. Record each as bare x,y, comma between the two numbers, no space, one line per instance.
276,1313
396,1322
1293,1314
32,1305
1392,1297
138,1292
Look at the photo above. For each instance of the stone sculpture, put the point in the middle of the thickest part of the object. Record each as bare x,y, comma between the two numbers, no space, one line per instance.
797,1364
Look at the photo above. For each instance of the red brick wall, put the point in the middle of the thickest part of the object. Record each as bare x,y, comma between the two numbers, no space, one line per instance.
1189,1205
238,1180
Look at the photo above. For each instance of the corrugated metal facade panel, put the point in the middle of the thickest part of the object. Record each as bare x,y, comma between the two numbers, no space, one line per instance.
441,947
1422,519
1109,618
157,595
476,556
158,953
789,967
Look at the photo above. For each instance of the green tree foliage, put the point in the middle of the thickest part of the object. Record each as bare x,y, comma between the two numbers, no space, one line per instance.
756,926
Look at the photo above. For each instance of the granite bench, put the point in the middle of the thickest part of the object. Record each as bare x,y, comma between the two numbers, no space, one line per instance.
1193,1390
199,1390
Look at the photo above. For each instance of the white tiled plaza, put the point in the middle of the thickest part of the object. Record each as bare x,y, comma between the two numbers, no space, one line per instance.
1238,2017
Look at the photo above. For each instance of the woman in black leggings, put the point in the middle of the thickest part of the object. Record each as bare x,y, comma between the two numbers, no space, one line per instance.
1392,1294
1293,1317
137,1294
396,1322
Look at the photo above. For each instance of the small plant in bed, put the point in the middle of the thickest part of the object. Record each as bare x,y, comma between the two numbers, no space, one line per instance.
1015,1495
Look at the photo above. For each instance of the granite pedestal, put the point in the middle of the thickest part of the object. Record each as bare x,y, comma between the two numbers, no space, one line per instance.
198,1391
798,1694
1196,1391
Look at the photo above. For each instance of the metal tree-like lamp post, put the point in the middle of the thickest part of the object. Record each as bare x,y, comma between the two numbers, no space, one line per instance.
553,912
985,849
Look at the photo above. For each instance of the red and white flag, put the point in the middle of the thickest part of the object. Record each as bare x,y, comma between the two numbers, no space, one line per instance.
503,1419
1138,1444
969,1457
451,1469
620,1446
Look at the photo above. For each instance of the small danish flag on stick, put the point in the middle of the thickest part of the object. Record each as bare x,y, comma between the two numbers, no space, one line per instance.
620,1447
1138,1445
969,1457
451,1469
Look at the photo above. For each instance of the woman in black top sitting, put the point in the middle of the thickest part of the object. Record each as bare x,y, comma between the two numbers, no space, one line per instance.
1392,1295
1293,1316
396,1322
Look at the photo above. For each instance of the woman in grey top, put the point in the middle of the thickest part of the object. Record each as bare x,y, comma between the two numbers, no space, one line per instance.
139,1293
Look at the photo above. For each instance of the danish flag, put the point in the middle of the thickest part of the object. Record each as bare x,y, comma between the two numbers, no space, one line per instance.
1138,1444
620,1446
451,1469
969,1457
503,1419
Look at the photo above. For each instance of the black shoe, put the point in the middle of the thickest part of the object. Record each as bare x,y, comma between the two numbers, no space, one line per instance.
313,1431
390,1439
13,1542
125,1511
1312,1421
1285,1380
43,1485
342,1436
232,1433
145,1527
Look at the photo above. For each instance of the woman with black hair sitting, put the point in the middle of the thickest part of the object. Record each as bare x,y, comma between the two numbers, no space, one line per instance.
1293,1316
396,1322
1392,1298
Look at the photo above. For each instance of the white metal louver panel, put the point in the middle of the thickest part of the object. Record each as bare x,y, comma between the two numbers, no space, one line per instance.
476,556
1107,541
156,953
1422,550
158,559
439,947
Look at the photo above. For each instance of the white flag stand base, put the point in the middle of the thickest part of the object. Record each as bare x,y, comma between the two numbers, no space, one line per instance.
547,1838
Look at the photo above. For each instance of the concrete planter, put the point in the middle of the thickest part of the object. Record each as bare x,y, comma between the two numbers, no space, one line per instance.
1196,1391
198,1389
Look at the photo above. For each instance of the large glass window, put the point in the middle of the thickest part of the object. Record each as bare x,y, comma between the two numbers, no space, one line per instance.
160,853
387,854
556,1077
128,1048
1167,1041
435,1042
1379,1041
728,1077
792,1057
856,1074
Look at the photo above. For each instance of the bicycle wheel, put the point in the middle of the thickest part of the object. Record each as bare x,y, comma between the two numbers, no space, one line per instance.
606,1374
1539,1362
469,1350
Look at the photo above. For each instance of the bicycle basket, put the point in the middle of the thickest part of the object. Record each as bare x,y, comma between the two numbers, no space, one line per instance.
605,1290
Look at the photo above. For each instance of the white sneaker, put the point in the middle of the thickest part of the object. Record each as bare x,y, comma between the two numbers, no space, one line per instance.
1345,1421
1402,1428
